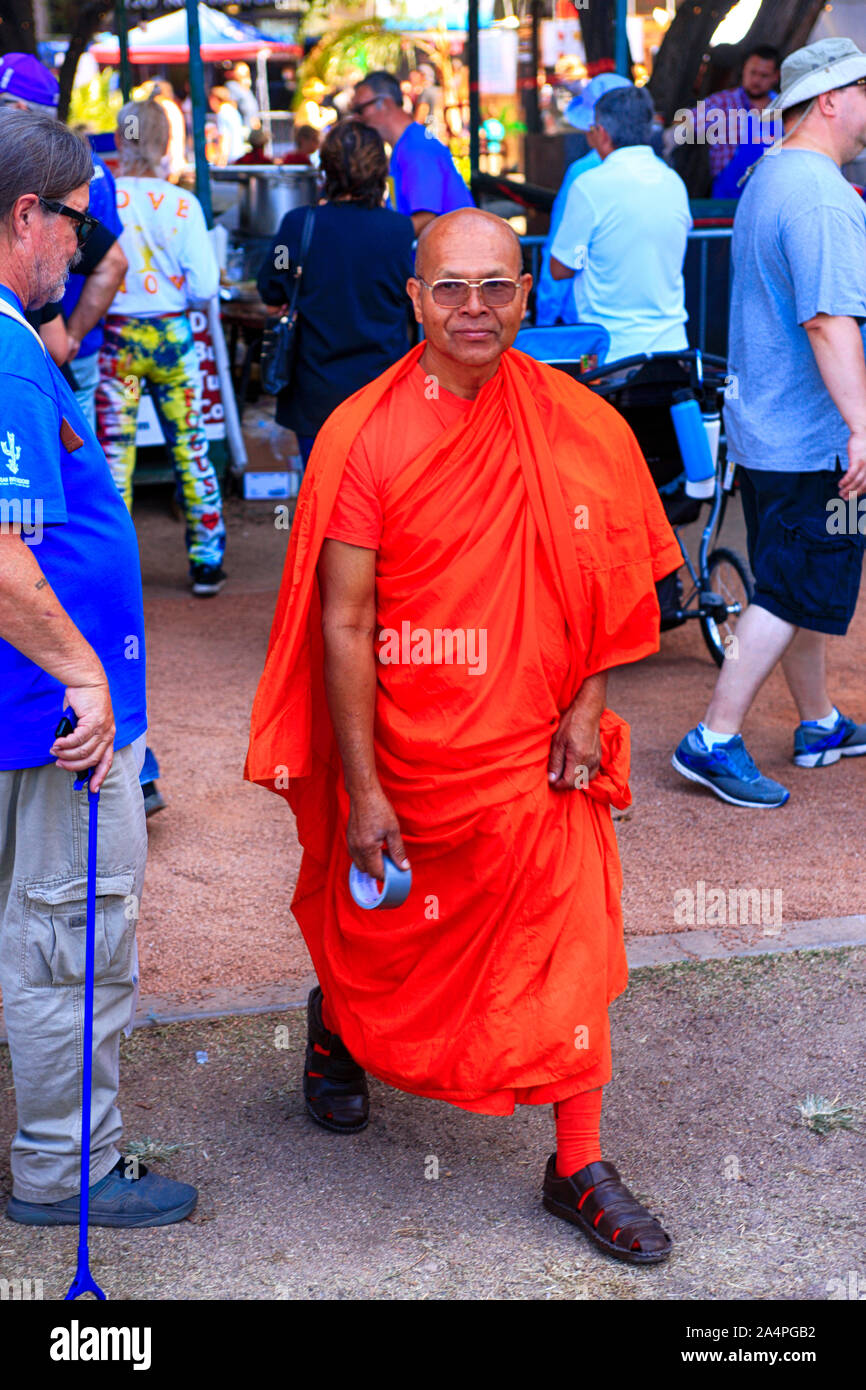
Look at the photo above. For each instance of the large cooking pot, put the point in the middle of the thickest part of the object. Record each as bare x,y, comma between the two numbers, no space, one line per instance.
268,192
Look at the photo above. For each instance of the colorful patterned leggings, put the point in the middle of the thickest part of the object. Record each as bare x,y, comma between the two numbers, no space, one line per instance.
161,351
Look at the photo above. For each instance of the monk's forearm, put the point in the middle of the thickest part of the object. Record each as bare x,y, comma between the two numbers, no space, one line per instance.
591,698
350,684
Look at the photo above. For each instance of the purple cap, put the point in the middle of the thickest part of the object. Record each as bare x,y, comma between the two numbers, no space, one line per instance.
580,112
23,77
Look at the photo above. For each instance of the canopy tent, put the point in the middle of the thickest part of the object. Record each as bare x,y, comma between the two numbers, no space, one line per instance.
166,40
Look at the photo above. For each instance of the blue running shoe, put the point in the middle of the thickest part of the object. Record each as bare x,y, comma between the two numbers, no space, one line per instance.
728,770
815,747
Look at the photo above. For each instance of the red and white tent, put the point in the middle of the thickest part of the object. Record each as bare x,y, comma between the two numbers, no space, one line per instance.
166,40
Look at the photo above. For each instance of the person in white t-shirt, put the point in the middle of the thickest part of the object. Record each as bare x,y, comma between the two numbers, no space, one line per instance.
230,127
623,234
148,334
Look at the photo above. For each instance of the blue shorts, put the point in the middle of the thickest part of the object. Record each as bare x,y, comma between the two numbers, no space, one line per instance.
804,573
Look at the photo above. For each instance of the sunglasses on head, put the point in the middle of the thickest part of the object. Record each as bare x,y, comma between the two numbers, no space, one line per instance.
84,222
453,294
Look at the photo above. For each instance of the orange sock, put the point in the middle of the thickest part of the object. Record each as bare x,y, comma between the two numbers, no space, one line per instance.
578,1122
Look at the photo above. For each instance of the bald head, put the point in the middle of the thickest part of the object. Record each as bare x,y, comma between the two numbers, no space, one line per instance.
448,240
467,325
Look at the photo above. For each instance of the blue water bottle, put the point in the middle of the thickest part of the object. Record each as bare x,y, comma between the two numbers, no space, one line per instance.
694,445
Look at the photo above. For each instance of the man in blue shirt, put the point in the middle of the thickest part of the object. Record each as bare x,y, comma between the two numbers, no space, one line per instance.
426,181
71,636
796,424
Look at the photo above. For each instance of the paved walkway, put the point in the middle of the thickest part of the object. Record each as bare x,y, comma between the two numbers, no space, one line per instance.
711,1061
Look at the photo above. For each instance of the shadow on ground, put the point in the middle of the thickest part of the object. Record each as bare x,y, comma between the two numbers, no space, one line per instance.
711,1060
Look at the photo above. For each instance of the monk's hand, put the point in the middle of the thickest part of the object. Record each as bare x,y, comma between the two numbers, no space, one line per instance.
575,749
372,822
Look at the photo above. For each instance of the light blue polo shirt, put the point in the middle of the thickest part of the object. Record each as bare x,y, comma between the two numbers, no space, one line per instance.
82,536
624,233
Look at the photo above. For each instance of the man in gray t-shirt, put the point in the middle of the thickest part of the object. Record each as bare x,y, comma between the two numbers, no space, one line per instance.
796,423
799,251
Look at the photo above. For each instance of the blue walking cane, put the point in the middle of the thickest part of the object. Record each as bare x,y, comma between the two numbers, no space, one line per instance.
84,1281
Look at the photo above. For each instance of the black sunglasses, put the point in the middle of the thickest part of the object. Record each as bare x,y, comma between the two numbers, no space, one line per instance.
85,223
362,106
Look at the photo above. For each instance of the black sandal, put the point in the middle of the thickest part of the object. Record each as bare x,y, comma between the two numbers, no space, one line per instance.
335,1087
597,1200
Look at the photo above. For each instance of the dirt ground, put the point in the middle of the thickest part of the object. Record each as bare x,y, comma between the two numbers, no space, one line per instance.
711,1061
223,855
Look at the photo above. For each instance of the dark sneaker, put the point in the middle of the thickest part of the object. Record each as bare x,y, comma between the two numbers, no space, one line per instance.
117,1200
820,747
153,798
728,770
207,579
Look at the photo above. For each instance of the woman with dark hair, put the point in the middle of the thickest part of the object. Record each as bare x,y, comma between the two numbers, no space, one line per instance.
353,310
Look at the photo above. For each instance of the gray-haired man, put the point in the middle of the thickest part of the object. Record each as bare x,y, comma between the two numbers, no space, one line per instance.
71,635
623,234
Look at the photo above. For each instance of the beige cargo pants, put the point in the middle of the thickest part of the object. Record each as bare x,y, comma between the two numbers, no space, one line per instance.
43,887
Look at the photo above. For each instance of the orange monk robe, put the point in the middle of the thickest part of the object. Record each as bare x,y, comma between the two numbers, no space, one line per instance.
533,520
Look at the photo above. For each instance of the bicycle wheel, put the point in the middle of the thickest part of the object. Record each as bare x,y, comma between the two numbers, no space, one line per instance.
728,577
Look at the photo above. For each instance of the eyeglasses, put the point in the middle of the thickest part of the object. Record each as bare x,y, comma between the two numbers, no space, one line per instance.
859,82
85,223
453,294
356,110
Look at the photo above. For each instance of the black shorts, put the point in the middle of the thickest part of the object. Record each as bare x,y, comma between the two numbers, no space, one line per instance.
806,567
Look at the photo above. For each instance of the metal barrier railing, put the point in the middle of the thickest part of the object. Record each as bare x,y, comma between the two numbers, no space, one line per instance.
704,319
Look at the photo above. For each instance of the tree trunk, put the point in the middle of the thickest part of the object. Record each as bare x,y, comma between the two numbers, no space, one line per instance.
598,30
674,81
686,68
89,20
786,24
17,27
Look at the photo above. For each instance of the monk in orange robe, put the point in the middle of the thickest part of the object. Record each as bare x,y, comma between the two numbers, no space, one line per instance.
476,544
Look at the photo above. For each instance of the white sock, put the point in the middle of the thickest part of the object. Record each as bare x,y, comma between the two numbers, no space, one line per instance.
711,738
828,722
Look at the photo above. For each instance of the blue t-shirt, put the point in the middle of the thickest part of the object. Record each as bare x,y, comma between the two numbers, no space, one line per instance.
103,206
425,176
798,249
727,183
554,299
82,536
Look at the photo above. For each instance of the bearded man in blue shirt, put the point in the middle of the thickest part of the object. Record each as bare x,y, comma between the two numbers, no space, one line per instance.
71,637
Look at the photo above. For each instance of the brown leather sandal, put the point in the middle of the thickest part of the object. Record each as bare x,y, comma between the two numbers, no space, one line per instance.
597,1201
335,1087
